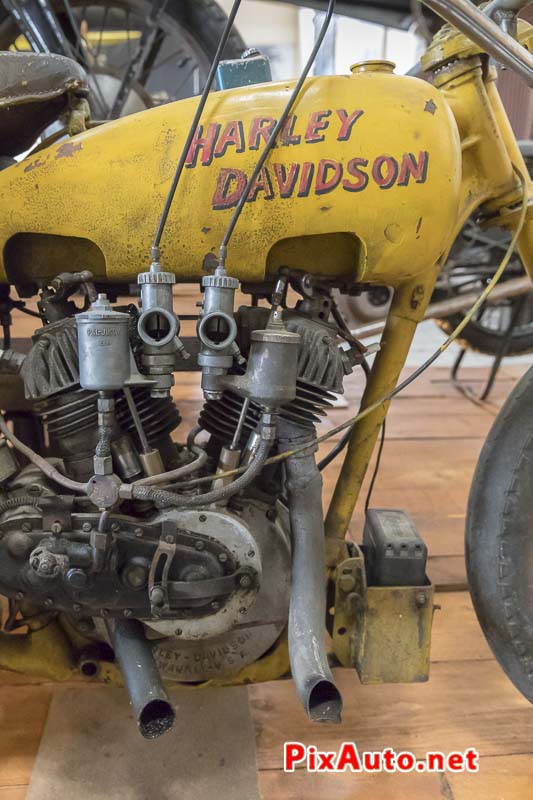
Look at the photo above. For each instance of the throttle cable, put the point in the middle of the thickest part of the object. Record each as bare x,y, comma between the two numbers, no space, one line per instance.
277,129
192,130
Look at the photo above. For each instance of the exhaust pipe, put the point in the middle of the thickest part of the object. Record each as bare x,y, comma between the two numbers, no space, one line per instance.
307,611
153,710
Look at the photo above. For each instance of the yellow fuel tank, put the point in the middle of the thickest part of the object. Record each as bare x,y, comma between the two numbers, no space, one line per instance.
363,182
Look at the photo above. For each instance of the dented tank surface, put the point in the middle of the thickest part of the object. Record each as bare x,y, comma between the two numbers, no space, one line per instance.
363,182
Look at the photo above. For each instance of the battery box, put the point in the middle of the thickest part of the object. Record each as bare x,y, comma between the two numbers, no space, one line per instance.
395,554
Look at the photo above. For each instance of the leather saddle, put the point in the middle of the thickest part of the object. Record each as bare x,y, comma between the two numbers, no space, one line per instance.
35,89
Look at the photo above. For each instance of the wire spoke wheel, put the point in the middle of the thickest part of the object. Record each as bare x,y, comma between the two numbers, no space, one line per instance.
470,267
152,61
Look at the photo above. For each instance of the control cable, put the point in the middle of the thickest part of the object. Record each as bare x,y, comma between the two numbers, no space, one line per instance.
277,129
192,130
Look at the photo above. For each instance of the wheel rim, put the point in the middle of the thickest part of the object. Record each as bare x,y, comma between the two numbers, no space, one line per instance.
472,263
110,33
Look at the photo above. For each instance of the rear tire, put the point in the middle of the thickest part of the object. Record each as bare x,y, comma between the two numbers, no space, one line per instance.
499,537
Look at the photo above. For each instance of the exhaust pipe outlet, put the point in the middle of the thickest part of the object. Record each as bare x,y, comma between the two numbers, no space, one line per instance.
307,611
153,710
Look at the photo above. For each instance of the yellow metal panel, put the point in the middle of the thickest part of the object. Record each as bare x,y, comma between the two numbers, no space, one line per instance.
372,159
382,631
395,645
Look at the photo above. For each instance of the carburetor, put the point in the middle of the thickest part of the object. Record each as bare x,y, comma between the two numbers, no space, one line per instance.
217,330
158,327
270,377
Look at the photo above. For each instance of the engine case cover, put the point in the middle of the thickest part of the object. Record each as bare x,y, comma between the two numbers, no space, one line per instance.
258,627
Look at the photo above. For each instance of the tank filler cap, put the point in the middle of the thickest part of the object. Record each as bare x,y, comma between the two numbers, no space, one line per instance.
376,65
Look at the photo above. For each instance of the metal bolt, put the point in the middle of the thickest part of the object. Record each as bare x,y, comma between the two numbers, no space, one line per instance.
76,578
84,626
242,610
202,518
26,527
138,532
347,583
353,602
35,490
157,596
245,581
104,612
178,631
86,527
215,605
199,545
251,52
169,539
76,608
45,564
48,603
420,598
115,527
56,528
19,596
128,612
271,514
222,557
251,553
136,575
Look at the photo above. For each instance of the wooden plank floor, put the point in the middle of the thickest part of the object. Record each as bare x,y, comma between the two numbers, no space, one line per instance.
433,439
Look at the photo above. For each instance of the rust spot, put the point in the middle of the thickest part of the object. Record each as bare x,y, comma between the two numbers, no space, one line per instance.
416,296
210,262
34,164
68,149
430,107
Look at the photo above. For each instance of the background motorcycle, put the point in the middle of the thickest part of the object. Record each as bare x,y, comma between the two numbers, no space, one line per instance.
140,54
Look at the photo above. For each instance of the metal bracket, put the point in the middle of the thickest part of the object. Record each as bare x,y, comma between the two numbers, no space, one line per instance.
382,631
160,568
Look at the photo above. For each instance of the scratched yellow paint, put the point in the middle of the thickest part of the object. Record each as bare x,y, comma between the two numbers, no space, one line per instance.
108,186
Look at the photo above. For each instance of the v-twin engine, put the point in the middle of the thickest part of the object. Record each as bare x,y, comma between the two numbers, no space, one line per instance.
180,555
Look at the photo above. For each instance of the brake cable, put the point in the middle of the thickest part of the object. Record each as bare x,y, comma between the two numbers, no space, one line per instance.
268,146
192,130
277,129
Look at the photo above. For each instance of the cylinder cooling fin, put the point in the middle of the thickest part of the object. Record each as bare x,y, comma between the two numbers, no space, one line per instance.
322,366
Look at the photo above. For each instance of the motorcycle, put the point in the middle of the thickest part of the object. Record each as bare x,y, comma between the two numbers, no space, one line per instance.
209,562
